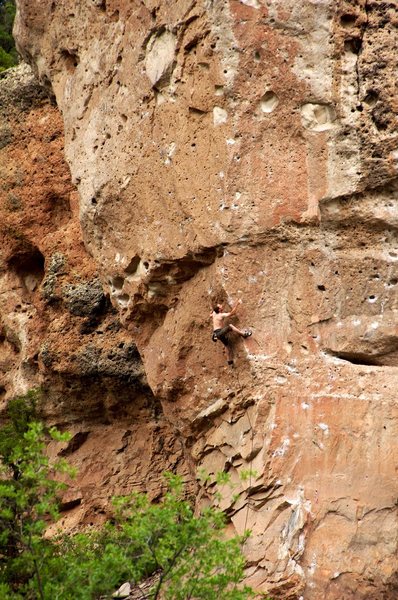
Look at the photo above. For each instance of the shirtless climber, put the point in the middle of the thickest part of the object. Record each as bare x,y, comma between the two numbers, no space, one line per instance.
220,332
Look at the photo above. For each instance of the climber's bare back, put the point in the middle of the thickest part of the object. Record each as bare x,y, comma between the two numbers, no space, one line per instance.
218,319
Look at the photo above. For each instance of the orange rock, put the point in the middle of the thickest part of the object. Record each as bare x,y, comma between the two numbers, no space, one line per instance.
223,150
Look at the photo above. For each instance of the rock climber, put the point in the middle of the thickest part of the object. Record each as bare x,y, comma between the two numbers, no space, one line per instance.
221,331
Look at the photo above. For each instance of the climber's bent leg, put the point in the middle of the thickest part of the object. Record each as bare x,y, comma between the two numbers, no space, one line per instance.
244,333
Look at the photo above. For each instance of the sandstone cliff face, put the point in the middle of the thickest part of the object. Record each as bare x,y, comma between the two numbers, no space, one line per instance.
247,148
58,329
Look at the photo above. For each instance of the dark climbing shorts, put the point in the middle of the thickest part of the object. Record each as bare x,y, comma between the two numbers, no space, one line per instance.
222,335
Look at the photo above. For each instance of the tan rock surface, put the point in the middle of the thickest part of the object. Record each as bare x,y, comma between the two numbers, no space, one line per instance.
58,330
248,148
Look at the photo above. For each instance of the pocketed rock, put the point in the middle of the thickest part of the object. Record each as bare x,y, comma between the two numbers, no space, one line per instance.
57,331
84,299
54,269
241,148
123,362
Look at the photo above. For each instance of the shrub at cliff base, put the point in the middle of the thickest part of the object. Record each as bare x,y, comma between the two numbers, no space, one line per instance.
8,53
189,555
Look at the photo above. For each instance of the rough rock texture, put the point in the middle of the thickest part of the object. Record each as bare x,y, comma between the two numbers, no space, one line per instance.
249,148
58,329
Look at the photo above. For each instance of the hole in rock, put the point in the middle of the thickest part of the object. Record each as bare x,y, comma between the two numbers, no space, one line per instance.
318,117
356,358
269,102
196,111
371,98
321,288
123,299
75,443
89,325
28,265
353,45
70,58
117,283
133,265
380,126
69,504
348,20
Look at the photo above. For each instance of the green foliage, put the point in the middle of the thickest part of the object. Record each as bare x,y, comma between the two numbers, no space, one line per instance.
21,411
8,53
27,495
188,554
7,15
6,60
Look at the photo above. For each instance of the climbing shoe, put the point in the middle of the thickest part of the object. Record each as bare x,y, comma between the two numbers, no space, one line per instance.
247,333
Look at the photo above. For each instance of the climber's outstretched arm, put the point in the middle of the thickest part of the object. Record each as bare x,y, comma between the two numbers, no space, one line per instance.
234,308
